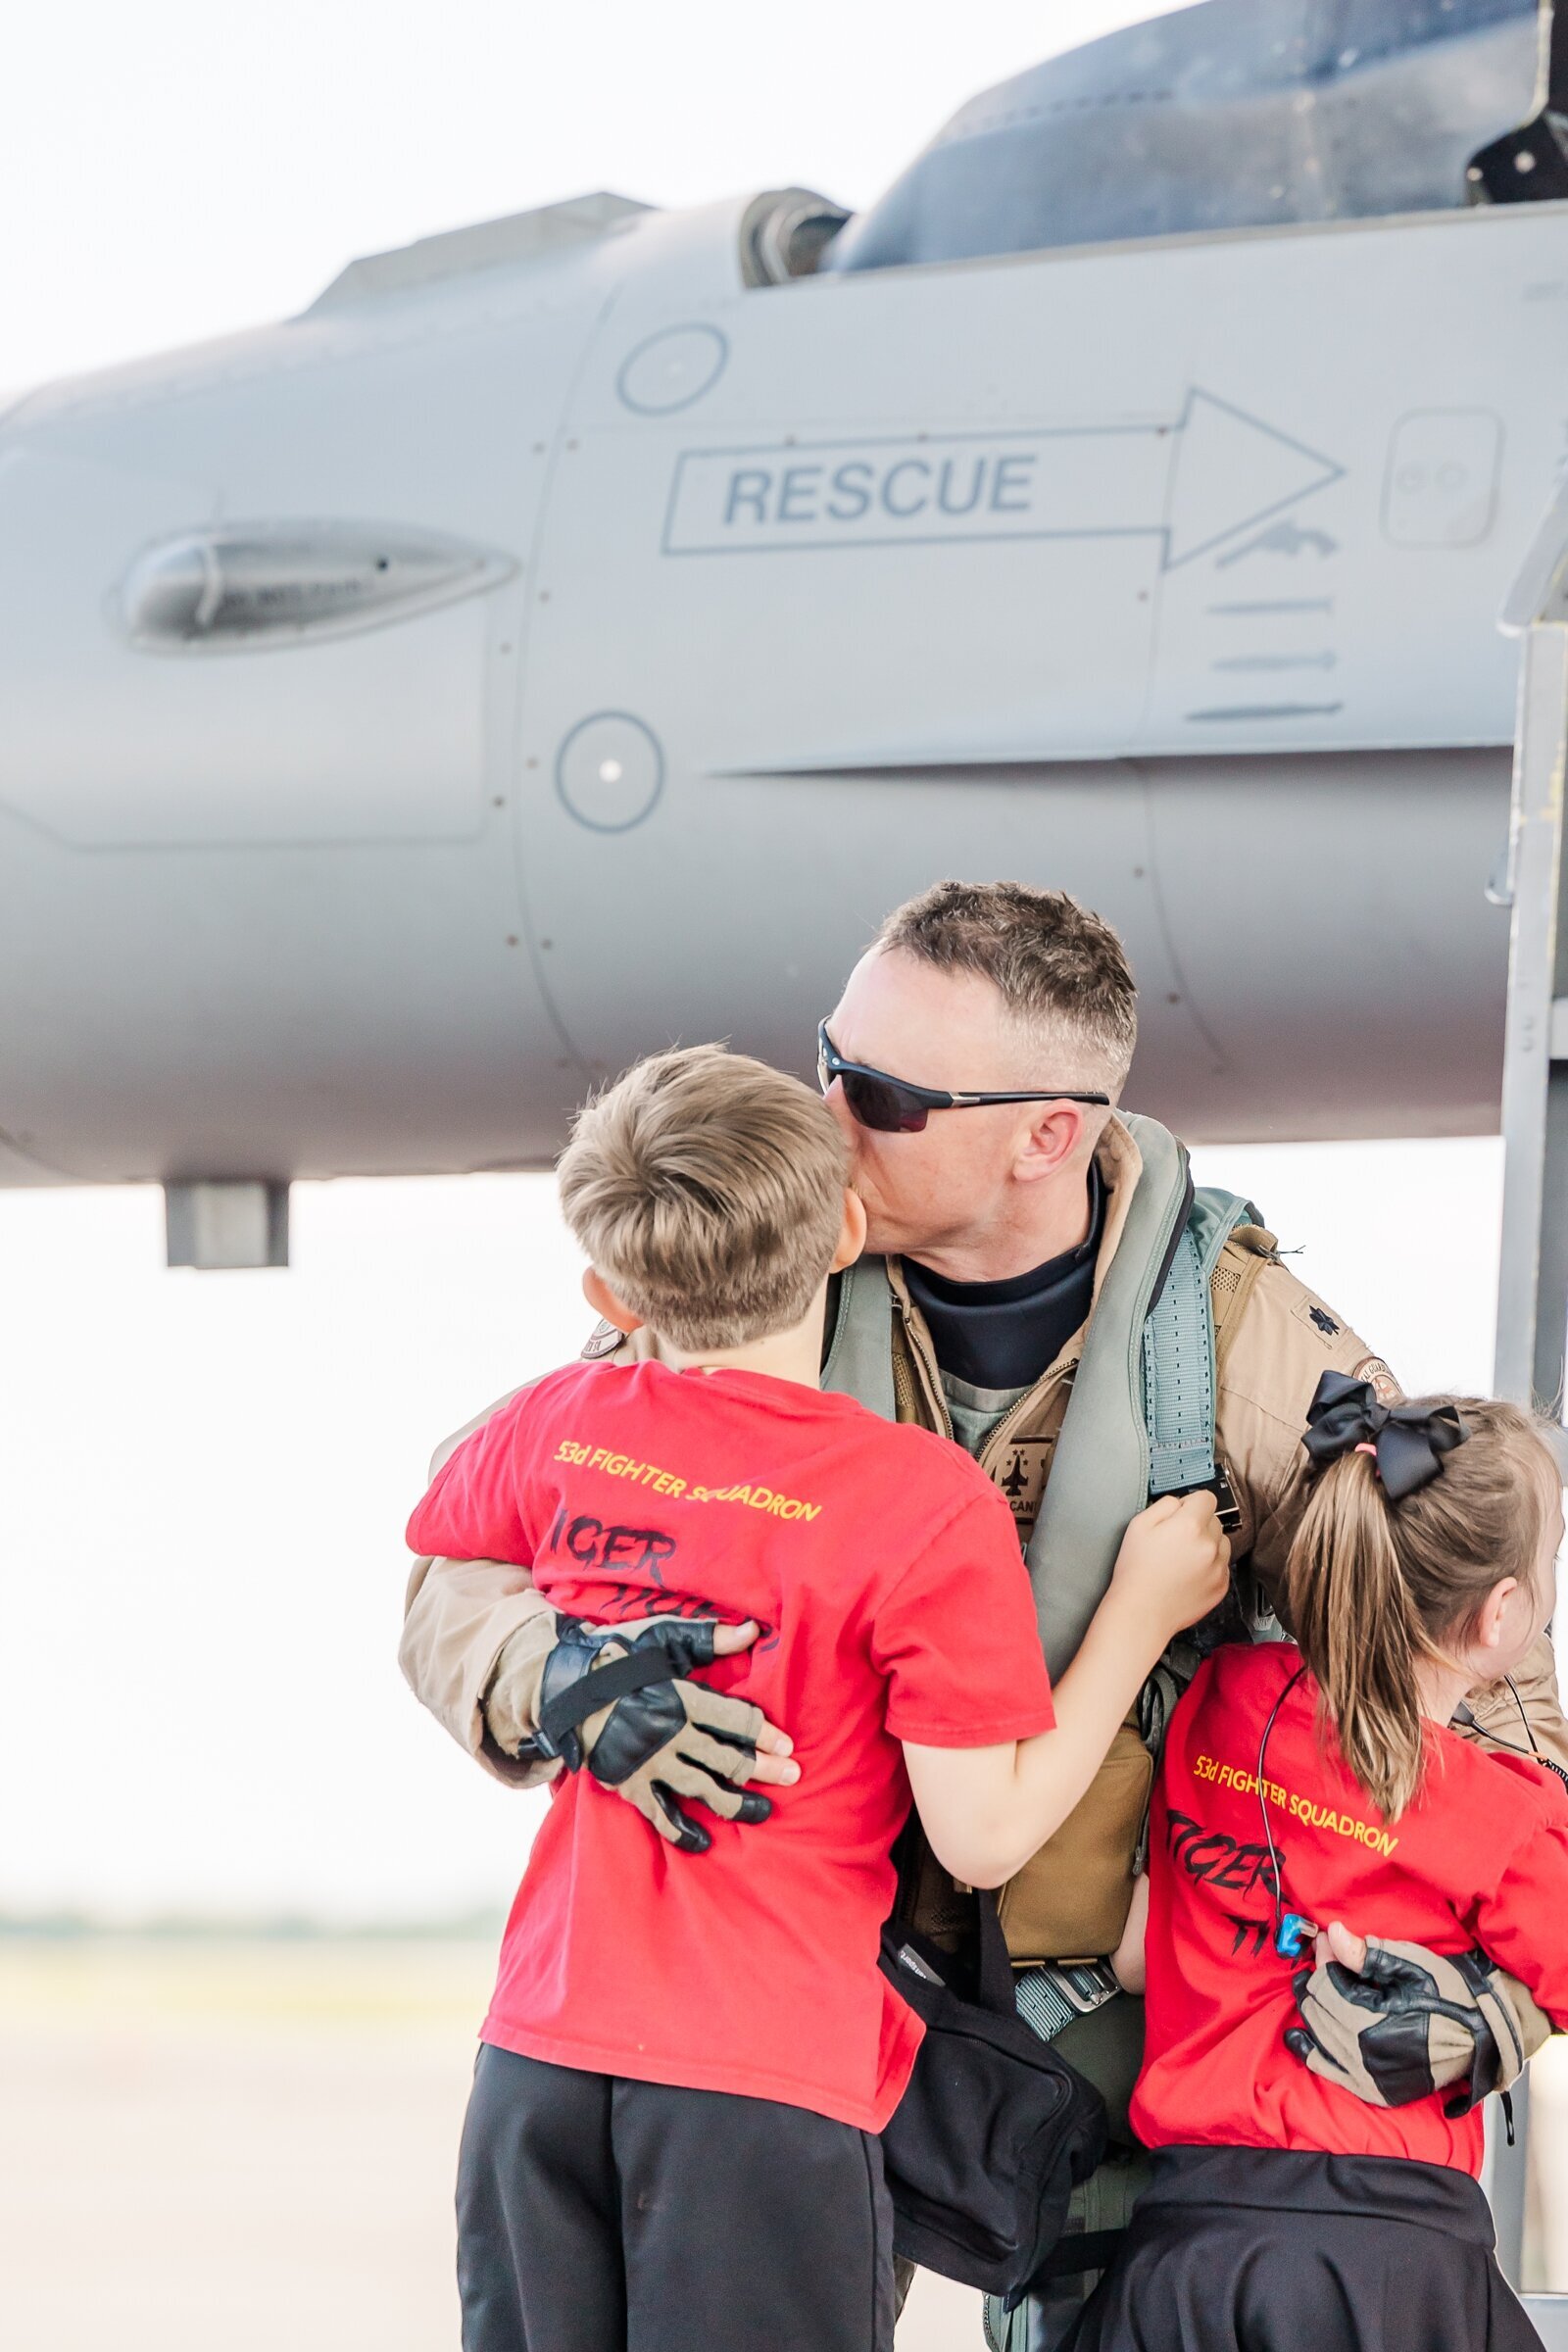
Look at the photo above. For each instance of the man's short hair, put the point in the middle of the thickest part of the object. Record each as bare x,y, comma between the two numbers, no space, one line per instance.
707,1190
1062,972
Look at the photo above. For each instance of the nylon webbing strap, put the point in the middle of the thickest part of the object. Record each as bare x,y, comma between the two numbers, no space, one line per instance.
995,1967
1082,2250
1048,1997
1100,1469
599,1687
1041,2006
860,1358
1179,1378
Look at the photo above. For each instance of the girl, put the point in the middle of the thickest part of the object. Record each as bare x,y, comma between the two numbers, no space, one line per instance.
1318,1783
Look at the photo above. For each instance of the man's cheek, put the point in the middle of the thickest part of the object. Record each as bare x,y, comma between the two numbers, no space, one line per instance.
867,1178
879,1188
863,1159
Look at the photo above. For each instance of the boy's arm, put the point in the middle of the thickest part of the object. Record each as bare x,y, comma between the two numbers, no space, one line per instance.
987,1810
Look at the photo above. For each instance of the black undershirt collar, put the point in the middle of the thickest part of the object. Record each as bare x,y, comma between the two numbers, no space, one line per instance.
1002,1334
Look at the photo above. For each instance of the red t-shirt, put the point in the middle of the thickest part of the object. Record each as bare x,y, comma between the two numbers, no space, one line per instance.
1480,1857
883,1568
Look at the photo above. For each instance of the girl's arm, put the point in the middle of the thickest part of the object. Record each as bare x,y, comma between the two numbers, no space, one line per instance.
1518,1921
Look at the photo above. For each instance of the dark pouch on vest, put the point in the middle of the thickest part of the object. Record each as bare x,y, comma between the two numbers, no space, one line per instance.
995,2129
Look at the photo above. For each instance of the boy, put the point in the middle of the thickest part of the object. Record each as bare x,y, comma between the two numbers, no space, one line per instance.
715,2039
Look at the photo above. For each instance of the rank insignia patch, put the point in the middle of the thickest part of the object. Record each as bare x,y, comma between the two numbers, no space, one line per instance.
1315,1315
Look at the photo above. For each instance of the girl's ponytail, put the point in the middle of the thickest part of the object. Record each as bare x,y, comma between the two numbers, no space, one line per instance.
1350,1607
1379,1585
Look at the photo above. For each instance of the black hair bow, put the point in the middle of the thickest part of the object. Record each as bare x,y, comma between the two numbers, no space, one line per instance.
1411,1439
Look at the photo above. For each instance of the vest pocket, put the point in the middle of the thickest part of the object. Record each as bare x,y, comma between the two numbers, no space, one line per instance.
1070,1901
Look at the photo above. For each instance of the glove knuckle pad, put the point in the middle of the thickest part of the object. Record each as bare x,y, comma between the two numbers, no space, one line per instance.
638,1727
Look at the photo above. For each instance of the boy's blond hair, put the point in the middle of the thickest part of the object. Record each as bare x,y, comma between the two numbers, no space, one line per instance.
707,1191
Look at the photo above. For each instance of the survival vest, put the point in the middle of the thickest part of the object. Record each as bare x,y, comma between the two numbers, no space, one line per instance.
1139,1422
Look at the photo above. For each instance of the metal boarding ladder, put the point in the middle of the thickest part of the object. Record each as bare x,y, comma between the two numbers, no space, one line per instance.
1533,1274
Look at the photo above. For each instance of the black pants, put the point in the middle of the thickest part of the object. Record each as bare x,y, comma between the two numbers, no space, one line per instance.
1283,2250
600,2215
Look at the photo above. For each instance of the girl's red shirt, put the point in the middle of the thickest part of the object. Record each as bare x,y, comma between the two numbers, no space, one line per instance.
1478,1859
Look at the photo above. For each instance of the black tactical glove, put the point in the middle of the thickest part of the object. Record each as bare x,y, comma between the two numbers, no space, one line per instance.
617,1702
1414,2022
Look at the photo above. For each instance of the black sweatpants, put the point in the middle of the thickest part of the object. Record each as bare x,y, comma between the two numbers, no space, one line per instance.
601,2215
1284,2250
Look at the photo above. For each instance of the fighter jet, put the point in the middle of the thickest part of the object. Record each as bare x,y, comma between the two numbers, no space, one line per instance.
572,633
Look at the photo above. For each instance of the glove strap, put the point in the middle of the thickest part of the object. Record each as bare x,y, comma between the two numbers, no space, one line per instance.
1486,2066
599,1687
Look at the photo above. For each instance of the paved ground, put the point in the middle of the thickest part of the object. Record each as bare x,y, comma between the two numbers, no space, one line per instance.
247,2146
250,2144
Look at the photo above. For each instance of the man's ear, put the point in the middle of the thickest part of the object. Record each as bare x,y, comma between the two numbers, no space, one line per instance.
1051,1141
851,1233
602,1299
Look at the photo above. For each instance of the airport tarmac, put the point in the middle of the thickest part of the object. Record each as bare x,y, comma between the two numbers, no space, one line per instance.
251,2142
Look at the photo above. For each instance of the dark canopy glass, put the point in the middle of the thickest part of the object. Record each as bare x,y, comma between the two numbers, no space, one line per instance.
1237,113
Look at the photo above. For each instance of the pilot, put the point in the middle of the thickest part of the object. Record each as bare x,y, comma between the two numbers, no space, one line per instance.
1042,1284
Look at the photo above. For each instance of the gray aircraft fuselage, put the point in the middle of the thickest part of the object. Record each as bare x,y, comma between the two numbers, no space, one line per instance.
551,646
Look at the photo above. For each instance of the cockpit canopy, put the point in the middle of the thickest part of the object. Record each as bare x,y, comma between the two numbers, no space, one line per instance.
1236,113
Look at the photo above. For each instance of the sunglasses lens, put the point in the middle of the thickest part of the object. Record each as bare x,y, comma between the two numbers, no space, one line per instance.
877,1103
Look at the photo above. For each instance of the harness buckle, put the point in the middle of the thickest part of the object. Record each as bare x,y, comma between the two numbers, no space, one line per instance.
1224,1494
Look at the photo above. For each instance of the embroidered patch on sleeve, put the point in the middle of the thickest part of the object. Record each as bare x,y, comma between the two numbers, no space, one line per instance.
1385,1388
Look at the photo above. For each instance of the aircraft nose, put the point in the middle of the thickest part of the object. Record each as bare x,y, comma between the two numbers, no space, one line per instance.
260,900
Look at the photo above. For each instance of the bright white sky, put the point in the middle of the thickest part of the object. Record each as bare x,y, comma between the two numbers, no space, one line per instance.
207,1475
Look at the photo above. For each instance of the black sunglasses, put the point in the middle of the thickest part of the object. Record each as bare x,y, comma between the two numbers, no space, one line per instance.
893,1107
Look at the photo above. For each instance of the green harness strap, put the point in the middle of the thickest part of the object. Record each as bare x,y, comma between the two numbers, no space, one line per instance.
1140,1420
1099,1477
860,1358
1179,1378
1179,1394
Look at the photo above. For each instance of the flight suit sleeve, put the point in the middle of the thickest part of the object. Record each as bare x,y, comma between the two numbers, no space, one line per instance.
1272,1353
458,1615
